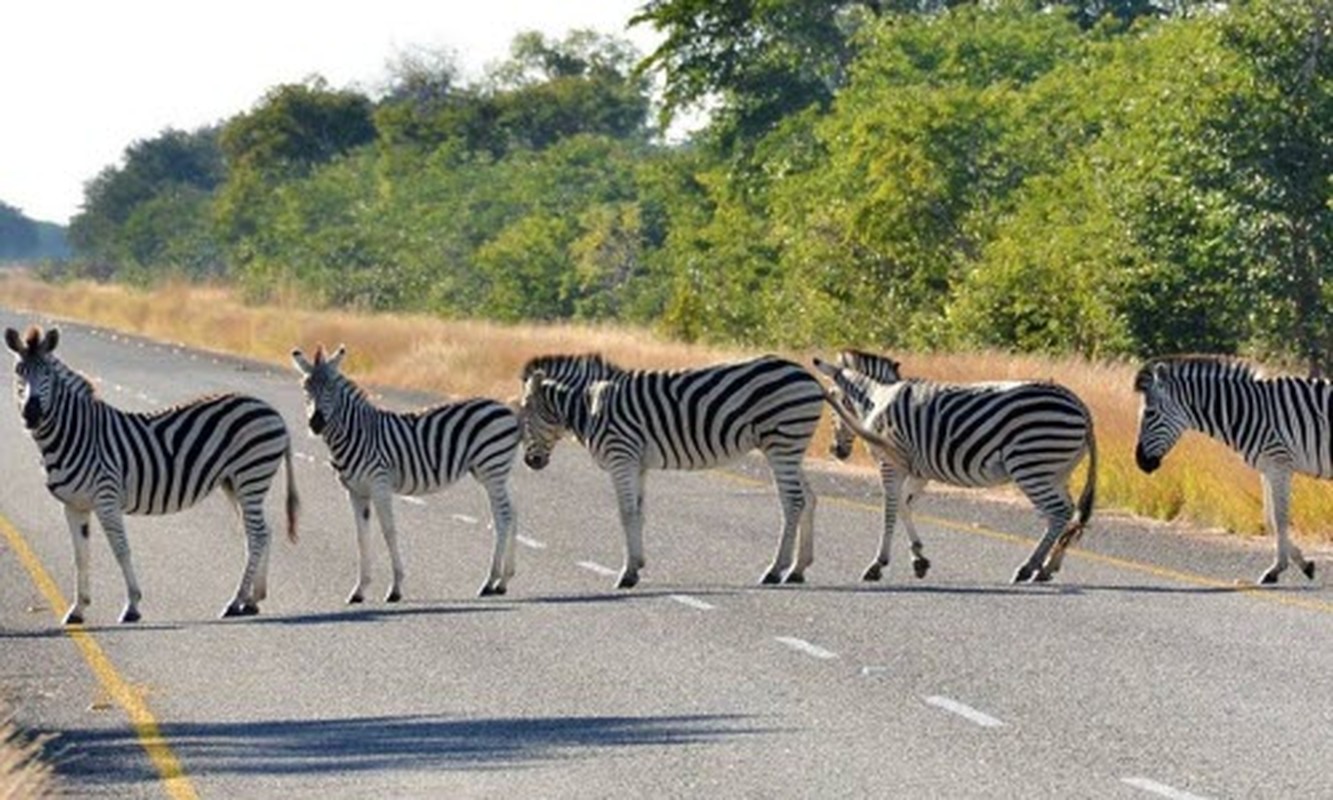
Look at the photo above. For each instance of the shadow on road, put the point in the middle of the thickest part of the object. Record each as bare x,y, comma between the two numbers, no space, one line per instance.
369,744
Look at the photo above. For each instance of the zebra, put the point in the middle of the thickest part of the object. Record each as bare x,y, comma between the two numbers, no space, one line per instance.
632,421
379,453
1278,425
108,462
1031,434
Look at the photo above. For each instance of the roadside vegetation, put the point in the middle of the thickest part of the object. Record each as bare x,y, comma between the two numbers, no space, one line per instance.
23,773
1201,481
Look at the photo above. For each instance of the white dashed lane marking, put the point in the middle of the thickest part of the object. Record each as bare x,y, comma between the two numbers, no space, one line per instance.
416,501
692,602
530,542
593,566
464,518
965,711
802,646
1161,789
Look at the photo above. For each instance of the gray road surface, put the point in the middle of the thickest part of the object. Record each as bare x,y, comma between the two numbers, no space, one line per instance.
1143,672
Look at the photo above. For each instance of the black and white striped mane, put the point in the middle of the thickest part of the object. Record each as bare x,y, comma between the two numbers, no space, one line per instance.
881,368
1187,367
591,366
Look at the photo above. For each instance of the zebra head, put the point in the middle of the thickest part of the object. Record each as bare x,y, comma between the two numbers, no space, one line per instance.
321,382
35,374
543,423
852,392
1162,419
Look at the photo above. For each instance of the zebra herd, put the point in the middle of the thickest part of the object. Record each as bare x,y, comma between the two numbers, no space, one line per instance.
107,462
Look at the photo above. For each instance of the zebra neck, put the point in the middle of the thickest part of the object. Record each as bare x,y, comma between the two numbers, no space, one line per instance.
349,426
71,426
1212,419
572,400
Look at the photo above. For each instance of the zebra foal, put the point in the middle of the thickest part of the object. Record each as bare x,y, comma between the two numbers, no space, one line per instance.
379,453
971,435
104,461
1278,425
632,421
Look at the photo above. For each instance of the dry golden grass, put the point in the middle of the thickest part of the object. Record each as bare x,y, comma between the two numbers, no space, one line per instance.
23,773
1201,481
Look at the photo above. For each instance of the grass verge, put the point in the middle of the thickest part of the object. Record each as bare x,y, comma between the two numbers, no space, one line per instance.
23,773
1201,481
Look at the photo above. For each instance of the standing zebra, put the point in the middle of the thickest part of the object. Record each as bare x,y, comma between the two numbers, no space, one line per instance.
978,434
104,461
634,421
1278,425
379,453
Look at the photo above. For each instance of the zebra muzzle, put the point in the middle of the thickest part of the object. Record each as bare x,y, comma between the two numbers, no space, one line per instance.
317,422
1146,462
32,413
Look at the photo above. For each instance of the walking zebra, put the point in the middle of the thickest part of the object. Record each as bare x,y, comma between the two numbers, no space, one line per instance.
977,434
104,461
1278,425
634,421
380,453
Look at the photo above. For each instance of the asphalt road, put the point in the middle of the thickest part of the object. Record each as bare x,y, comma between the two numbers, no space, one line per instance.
1144,671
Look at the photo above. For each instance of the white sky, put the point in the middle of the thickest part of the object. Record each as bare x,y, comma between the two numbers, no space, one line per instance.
82,79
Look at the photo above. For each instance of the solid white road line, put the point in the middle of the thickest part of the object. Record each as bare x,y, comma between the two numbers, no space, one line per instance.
593,566
803,646
965,711
692,602
528,541
1161,789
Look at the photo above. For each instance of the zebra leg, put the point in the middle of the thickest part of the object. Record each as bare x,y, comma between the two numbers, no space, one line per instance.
793,493
1053,502
1277,497
913,489
503,524
383,500
113,524
628,481
361,515
245,603
805,535
78,530
892,481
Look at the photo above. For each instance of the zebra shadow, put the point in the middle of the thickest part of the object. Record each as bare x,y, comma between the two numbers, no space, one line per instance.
362,615
57,630
110,758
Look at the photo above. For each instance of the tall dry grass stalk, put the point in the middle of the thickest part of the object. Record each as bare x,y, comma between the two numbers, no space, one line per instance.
1201,481
23,773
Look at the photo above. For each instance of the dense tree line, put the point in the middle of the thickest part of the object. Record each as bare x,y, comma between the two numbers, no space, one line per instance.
26,239
1095,176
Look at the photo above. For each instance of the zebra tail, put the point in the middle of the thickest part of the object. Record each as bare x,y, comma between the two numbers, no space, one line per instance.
1089,496
293,498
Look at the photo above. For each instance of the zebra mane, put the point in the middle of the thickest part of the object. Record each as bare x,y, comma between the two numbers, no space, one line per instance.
1214,367
593,365
882,368
80,384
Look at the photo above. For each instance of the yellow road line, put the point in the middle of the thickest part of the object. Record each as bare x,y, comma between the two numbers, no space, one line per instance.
145,726
1194,579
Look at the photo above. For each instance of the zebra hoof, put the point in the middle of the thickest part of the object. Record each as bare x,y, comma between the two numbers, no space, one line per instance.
73,618
233,610
355,598
628,580
489,590
1308,569
873,572
393,596
1269,578
1023,574
771,578
129,615
1042,576
920,566
794,577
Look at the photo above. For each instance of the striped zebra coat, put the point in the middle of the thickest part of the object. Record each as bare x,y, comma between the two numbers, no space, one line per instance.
379,453
969,435
104,461
632,421
1280,426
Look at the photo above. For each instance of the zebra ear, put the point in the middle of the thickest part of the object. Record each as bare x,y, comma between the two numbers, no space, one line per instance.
14,341
828,369
48,344
301,362
338,356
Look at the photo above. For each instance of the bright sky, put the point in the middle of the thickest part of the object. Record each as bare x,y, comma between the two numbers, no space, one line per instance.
82,79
